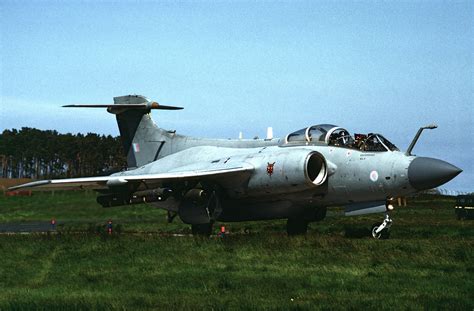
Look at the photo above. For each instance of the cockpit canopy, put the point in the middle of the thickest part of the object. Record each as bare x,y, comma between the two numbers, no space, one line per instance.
332,135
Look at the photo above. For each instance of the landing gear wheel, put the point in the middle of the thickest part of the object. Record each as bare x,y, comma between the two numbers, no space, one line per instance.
200,206
296,226
203,230
382,231
382,235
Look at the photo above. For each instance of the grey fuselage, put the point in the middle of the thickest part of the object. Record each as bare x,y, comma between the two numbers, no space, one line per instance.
353,176
315,167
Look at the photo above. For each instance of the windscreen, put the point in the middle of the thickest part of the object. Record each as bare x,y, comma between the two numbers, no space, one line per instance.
376,142
387,143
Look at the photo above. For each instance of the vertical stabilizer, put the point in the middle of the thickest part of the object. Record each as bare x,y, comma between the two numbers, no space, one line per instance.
141,138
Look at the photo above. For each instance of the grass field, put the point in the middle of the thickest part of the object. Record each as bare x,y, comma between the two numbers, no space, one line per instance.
427,263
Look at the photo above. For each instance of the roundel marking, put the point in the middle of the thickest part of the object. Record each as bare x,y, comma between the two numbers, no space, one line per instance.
374,176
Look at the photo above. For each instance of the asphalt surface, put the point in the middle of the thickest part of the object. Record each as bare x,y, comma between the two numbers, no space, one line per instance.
45,226
26,227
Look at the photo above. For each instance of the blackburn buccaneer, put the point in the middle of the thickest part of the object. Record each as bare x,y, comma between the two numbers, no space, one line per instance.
295,178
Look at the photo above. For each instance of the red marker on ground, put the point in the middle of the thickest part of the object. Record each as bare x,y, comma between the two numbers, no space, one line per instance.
222,230
109,226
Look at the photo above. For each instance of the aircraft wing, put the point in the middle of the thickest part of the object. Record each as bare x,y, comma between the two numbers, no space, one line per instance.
66,184
104,182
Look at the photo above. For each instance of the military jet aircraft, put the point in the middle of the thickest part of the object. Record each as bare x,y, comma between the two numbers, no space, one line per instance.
295,178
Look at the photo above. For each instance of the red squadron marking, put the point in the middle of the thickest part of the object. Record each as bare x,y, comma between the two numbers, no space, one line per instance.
270,168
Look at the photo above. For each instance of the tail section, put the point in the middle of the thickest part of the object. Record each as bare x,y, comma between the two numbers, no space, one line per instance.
143,142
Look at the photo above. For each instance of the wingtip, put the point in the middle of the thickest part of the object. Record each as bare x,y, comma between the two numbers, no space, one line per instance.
30,185
155,105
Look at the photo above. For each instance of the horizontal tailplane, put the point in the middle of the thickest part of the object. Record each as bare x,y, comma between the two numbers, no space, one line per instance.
142,140
125,103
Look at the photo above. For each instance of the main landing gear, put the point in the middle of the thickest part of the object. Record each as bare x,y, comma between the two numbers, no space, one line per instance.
296,226
381,231
200,208
299,225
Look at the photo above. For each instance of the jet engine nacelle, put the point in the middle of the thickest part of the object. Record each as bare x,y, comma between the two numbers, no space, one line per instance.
287,171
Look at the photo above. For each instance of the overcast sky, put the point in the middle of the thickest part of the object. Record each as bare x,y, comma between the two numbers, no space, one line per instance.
242,66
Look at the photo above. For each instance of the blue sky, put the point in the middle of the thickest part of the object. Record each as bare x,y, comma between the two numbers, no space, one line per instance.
386,67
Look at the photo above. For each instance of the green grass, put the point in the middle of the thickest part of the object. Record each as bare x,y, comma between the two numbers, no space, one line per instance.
78,211
427,263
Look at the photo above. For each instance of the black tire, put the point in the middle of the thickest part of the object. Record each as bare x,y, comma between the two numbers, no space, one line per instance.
384,235
203,230
296,226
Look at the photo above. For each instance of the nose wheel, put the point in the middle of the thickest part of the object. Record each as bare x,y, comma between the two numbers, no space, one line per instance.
381,231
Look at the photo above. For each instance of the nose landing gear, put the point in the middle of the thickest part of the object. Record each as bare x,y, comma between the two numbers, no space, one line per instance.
381,231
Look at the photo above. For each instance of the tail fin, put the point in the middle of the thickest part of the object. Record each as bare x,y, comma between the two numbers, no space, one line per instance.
142,140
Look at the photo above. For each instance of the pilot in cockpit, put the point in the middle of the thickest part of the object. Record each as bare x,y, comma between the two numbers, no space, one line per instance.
359,141
341,138
344,137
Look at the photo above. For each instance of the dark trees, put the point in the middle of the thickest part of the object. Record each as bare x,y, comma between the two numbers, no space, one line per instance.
41,154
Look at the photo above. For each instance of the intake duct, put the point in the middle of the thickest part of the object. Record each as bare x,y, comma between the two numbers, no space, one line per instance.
316,168
290,170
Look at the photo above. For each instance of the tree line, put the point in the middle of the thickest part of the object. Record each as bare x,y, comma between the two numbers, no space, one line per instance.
33,153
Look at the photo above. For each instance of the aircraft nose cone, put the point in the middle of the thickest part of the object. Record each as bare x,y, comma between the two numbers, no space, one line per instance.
426,173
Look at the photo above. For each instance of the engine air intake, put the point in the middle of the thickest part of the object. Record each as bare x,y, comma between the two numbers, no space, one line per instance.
316,169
